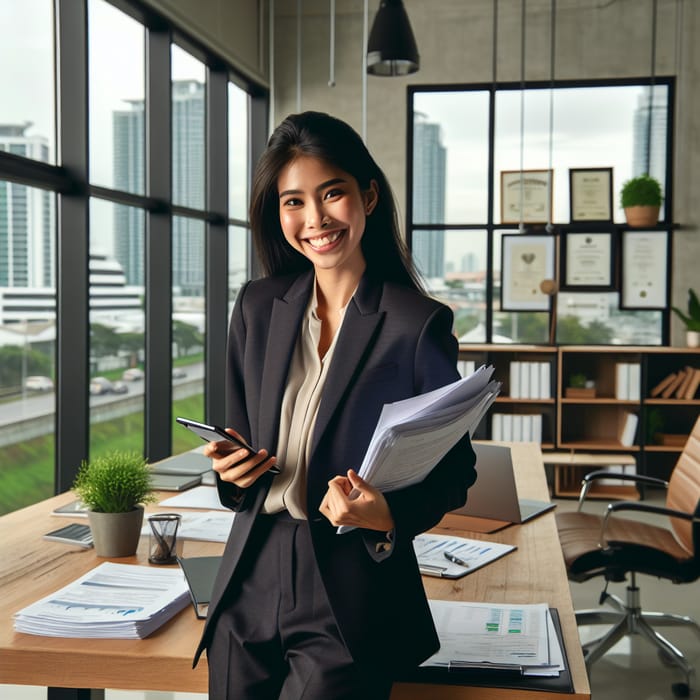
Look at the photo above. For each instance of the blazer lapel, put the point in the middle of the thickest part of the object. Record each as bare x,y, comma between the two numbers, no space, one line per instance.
362,319
286,317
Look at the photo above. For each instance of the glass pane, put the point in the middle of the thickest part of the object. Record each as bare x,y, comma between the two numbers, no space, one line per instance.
450,157
117,322
238,256
117,93
238,116
27,114
27,345
592,127
584,319
189,78
514,326
188,328
459,257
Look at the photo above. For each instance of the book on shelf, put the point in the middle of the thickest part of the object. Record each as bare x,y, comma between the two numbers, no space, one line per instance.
663,384
673,386
627,381
628,429
683,386
693,385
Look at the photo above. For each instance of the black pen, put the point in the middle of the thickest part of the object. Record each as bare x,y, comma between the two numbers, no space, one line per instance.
456,560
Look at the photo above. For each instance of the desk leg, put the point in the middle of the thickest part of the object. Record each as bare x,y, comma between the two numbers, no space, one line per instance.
74,694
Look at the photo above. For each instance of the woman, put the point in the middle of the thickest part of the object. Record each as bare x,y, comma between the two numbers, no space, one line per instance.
337,328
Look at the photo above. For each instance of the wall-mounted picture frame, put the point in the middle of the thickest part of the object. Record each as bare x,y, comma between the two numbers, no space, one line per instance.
591,194
526,196
587,261
644,270
526,260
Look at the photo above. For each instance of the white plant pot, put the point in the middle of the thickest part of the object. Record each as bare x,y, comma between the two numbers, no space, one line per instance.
692,339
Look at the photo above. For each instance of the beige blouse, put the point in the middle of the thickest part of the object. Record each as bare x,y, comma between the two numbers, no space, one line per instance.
307,377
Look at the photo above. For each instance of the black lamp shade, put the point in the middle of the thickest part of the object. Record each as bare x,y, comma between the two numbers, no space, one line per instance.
391,48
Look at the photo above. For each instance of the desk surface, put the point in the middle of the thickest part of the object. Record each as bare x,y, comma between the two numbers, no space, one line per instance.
31,568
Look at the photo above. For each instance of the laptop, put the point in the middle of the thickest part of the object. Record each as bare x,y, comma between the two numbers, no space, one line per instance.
492,501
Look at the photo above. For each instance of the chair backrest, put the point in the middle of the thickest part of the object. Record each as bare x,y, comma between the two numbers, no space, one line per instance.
684,490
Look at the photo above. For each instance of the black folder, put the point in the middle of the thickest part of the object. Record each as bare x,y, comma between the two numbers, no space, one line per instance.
200,573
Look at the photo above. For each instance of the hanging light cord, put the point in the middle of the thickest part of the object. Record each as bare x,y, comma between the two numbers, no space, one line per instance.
523,14
299,55
552,36
331,70
365,21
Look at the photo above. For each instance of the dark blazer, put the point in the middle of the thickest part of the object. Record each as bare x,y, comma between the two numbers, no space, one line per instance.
394,343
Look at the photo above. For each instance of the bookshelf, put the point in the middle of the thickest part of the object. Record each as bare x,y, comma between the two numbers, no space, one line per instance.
585,430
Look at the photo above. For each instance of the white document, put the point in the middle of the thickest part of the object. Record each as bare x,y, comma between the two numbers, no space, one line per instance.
206,497
413,435
484,635
118,601
212,526
431,549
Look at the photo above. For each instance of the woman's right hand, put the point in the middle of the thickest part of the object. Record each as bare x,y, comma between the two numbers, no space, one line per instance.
237,465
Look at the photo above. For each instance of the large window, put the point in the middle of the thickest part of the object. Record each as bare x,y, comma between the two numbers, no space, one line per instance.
464,139
137,249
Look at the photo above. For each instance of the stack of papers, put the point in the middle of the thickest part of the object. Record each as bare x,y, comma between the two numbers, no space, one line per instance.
116,601
453,557
211,526
503,637
413,435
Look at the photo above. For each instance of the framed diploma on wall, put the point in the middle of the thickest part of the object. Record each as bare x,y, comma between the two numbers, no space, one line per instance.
587,261
526,260
590,194
526,196
644,282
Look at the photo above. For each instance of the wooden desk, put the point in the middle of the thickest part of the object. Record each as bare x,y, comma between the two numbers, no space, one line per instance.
31,568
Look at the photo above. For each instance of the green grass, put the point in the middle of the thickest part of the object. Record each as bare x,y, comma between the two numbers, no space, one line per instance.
27,467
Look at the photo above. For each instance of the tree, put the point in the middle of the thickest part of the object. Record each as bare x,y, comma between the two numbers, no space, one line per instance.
17,361
186,337
104,341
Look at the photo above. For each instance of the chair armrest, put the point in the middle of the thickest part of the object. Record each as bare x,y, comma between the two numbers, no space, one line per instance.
589,478
641,508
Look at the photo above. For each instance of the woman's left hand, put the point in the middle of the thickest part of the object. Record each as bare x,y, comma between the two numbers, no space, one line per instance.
350,500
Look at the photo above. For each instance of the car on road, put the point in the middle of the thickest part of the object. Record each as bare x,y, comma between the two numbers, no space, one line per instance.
38,383
179,373
102,385
133,374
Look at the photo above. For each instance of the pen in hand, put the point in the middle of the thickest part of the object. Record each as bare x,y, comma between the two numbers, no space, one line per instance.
456,560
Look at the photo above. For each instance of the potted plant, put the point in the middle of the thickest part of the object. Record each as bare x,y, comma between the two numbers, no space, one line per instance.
641,199
580,387
691,319
114,487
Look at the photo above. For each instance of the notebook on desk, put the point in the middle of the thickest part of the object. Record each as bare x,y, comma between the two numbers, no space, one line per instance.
492,501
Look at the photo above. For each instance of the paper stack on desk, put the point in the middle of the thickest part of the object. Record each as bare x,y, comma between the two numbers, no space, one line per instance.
519,638
116,601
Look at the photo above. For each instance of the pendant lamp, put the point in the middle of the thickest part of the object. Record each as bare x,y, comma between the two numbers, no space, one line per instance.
391,49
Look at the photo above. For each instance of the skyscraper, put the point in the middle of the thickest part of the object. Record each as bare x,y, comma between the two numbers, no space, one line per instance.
429,171
650,130
188,133
27,250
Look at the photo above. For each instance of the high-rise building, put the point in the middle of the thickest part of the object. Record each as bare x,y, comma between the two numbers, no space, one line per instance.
188,131
429,173
27,249
649,131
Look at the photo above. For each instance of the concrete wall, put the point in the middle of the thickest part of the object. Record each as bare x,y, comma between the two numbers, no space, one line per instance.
594,39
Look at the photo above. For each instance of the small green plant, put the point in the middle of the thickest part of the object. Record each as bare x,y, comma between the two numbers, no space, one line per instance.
642,190
577,381
115,482
692,318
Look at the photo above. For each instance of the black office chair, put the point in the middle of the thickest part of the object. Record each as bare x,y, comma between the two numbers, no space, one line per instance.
616,548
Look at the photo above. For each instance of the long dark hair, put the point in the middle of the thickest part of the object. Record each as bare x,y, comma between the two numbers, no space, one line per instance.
321,136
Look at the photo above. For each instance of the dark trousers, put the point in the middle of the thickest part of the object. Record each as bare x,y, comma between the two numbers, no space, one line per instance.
277,637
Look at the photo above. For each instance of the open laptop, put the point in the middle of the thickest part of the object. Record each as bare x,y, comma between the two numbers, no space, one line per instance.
492,501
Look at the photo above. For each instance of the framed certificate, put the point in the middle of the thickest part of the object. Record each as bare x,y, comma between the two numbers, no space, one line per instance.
587,261
590,194
526,260
644,283
526,196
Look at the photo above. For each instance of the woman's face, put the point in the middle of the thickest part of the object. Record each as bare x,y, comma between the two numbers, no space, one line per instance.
323,213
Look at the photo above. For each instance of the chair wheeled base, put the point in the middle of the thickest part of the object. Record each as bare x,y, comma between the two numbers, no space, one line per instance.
628,618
